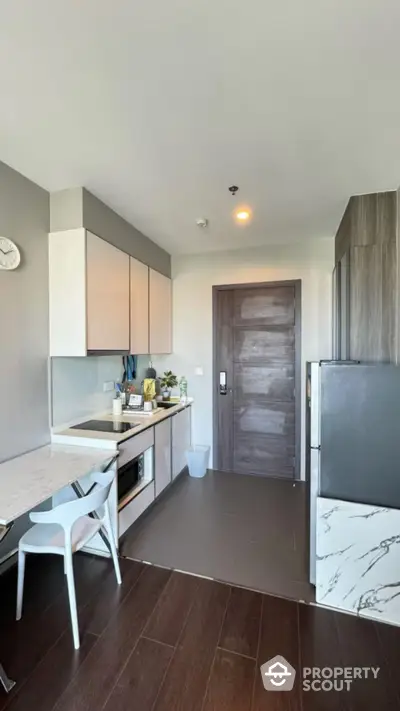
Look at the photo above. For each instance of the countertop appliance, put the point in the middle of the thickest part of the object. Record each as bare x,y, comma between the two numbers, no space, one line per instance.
352,436
105,426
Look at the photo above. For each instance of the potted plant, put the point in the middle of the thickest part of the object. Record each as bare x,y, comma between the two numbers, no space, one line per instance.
167,382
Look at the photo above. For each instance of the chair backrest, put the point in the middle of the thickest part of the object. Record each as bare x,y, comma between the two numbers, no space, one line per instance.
67,514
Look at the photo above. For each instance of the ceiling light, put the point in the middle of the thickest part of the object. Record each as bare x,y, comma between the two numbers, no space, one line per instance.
242,214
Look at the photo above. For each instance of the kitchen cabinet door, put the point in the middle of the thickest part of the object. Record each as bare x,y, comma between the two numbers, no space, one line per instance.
160,313
162,455
139,279
107,274
181,440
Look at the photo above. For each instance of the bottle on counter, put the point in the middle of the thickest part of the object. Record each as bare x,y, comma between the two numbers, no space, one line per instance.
117,407
183,385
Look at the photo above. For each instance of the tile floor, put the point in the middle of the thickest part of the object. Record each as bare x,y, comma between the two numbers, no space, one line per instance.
239,529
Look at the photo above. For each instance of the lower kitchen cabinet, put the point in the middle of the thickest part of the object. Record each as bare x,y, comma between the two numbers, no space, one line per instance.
135,508
162,455
181,439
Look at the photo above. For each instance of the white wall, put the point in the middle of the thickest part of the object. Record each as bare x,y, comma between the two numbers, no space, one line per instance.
194,277
77,386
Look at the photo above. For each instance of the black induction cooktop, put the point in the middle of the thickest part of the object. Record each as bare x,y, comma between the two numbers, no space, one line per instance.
105,426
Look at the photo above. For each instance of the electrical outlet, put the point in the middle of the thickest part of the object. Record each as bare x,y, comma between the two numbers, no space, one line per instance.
108,386
198,370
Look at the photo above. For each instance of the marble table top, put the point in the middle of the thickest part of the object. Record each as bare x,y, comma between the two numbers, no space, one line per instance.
28,480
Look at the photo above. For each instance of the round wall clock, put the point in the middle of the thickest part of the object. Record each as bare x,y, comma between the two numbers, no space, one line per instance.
9,254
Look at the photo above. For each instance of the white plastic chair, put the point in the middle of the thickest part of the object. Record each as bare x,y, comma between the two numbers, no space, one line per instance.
65,530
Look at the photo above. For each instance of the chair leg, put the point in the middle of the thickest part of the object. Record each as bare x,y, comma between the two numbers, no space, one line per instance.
72,597
20,585
5,680
115,558
113,549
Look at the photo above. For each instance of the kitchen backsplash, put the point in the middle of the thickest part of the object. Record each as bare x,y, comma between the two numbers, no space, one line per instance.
77,386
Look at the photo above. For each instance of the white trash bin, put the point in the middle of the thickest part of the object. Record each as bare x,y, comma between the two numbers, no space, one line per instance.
197,459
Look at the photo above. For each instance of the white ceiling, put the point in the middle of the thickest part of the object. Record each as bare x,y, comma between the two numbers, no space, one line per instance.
158,106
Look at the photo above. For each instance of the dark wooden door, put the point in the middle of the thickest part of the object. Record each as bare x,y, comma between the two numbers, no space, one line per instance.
255,332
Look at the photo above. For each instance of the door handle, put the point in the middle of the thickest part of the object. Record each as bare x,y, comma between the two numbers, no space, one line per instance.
222,382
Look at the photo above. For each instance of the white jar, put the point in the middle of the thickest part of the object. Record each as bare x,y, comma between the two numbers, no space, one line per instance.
117,406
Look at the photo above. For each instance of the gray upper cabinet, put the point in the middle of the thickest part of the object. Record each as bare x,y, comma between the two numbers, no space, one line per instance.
366,287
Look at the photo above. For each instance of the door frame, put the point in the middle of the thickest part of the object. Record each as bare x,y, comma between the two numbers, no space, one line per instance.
296,283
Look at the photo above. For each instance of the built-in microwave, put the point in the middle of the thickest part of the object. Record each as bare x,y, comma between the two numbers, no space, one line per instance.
130,476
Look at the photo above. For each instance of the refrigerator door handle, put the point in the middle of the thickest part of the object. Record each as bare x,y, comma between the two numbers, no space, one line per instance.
315,405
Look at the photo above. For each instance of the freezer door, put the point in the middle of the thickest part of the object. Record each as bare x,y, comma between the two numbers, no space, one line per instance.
360,433
315,403
313,493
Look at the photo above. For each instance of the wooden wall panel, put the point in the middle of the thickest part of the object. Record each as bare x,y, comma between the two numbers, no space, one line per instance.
343,235
368,231
365,303
373,303
373,219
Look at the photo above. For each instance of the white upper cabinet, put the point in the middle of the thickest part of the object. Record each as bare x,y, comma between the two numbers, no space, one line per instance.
160,313
89,294
102,300
139,307
67,293
107,289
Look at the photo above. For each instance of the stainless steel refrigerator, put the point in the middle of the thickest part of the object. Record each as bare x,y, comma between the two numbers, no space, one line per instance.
352,436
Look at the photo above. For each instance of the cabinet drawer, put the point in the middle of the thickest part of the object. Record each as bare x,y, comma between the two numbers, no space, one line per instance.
135,508
131,448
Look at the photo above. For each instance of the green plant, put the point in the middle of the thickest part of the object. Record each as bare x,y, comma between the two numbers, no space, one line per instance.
169,380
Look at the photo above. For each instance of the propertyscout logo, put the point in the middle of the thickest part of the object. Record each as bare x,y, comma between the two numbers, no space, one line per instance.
278,675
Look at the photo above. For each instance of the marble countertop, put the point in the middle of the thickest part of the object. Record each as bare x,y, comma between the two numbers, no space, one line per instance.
110,440
28,480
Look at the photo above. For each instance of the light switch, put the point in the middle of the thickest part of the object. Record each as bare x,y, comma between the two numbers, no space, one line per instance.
198,370
108,386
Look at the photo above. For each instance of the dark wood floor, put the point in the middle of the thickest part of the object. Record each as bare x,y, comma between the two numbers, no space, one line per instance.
173,642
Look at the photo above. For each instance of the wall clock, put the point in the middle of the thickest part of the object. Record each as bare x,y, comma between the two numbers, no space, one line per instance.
9,254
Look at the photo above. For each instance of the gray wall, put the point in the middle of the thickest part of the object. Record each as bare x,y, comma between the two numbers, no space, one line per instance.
77,207
24,218
24,420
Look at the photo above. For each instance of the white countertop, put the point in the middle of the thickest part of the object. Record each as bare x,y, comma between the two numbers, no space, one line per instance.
110,440
28,480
